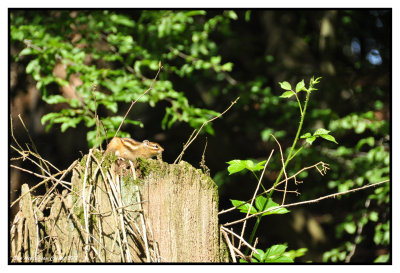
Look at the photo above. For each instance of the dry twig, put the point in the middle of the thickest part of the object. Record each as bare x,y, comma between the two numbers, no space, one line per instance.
230,246
283,167
85,212
192,138
240,238
133,102
255,194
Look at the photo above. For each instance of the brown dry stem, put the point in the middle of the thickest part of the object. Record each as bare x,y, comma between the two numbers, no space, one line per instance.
195,133
133,102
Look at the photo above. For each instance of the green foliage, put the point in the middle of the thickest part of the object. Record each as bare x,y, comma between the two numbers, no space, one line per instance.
337,254
359,122
276,254
367,162
382,258
262,204
318,133
116,57
381,237
238,165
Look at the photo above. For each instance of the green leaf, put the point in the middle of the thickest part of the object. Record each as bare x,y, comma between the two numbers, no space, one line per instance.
382,258
321,131
373,216
27,51
261,206
61,82
54,99
32,66
238,165
350,227
285,85
134,122
317,80
195,12
113,106
360,127
247,15
248,164
232,15
311,139
122,20
227,67
215,60
277,211
369,141
260,256
329,137
260,202
235,166
307,135
72,122
281,259
244,207
49,116
75,103
300,86
313,82
287,94
296,253
275,251
259,166
94,139
266,134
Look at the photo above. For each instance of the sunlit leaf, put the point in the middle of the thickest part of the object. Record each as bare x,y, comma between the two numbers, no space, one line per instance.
287,94
285,85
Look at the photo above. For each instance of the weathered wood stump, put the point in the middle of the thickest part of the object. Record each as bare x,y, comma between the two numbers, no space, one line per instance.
182,208
143,211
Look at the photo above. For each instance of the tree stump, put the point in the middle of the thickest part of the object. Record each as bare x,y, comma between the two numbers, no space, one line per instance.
143,211
182,207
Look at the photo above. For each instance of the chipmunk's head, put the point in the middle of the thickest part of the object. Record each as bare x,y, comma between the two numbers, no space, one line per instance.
154,147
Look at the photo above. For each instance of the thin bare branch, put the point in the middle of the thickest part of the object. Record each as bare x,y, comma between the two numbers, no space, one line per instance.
255,244
230,246
42,182
191,139
85,213
239,253
359,231
241,239
296,192
60,179
284,170
133,102
255,194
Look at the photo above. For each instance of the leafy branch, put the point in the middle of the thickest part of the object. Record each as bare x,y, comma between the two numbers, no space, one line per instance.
264,205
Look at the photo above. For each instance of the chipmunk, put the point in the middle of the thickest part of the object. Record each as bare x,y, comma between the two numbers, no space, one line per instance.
130,149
